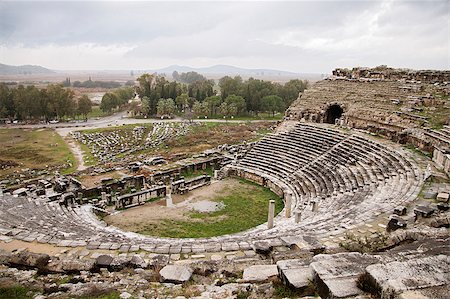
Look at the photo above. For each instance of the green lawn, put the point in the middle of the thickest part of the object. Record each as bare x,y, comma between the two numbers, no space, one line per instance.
245,207
261,116
34,149
97,112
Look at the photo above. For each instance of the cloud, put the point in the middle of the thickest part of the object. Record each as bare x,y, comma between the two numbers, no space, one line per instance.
296,36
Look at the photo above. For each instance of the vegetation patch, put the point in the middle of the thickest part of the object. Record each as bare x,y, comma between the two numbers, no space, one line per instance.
34,149
246,206
15,292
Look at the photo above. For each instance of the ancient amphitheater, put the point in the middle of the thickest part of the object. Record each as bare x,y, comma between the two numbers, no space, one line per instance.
337,162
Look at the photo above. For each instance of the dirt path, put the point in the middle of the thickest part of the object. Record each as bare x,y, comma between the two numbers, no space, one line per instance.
77,152
137,217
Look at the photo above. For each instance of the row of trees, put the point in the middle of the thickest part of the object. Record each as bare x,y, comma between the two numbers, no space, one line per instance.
116,99
235,96
52,102
95,84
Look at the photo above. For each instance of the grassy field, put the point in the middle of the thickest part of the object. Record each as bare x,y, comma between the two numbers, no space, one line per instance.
96,112
261,116
33,149
245,207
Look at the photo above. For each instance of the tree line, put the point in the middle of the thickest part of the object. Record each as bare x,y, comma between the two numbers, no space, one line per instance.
95,84
232,97
50,103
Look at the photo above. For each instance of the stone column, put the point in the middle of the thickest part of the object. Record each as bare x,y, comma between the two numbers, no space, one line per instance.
169,202
216,174
315,206
298,216
271,214
288,204
104,196
1,192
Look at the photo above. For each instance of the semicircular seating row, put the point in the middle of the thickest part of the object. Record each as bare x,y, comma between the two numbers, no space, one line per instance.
352,178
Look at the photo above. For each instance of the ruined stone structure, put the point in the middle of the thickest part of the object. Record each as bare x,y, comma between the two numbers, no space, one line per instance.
334,180
383,101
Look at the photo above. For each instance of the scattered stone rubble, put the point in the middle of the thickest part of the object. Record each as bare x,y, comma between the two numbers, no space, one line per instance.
109,145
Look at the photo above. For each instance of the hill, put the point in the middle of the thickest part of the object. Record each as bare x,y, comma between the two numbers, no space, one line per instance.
226,70
23,70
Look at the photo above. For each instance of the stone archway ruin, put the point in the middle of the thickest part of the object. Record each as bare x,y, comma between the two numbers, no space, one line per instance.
332,113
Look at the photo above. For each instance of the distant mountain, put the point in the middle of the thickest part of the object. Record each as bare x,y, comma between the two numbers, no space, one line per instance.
23,69
225,70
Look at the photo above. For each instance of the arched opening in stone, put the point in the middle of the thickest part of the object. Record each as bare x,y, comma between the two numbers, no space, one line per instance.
333,112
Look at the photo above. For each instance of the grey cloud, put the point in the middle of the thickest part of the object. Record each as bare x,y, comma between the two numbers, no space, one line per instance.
316,35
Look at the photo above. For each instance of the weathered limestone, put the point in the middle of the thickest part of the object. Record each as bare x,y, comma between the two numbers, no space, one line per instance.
419,273
169,202
288,205
295,273
176,273
443,197
260,273
336,274
298,216
271,214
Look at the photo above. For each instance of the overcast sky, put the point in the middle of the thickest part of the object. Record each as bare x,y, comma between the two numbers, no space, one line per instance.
294,36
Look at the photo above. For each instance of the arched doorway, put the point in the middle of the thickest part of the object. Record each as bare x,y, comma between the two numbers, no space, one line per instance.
333,112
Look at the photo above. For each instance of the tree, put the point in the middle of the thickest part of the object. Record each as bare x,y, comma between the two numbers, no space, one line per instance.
200,109
84,106
124,94
182,101
290,91
237,101
213,103
227,109
166,107
229,86
7,108
61,101
109,102
272,103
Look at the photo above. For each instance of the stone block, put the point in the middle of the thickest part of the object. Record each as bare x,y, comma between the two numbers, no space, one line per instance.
260,273
295,273
336,274
443,197
176,273
419,273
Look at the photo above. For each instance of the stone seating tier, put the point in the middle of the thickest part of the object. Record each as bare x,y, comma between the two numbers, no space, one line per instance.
350,179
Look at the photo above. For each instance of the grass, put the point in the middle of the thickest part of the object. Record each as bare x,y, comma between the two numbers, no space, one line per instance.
97,112
245,207
260,116
418,151
283,291
15,292
191,174
88,158
112,295
33,149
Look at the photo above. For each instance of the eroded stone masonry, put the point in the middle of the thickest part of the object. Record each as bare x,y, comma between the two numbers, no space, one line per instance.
364,216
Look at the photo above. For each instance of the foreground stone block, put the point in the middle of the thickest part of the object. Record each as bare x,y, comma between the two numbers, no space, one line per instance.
30,259
260,273
104,261
176,273
336,274
396,277
295,273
